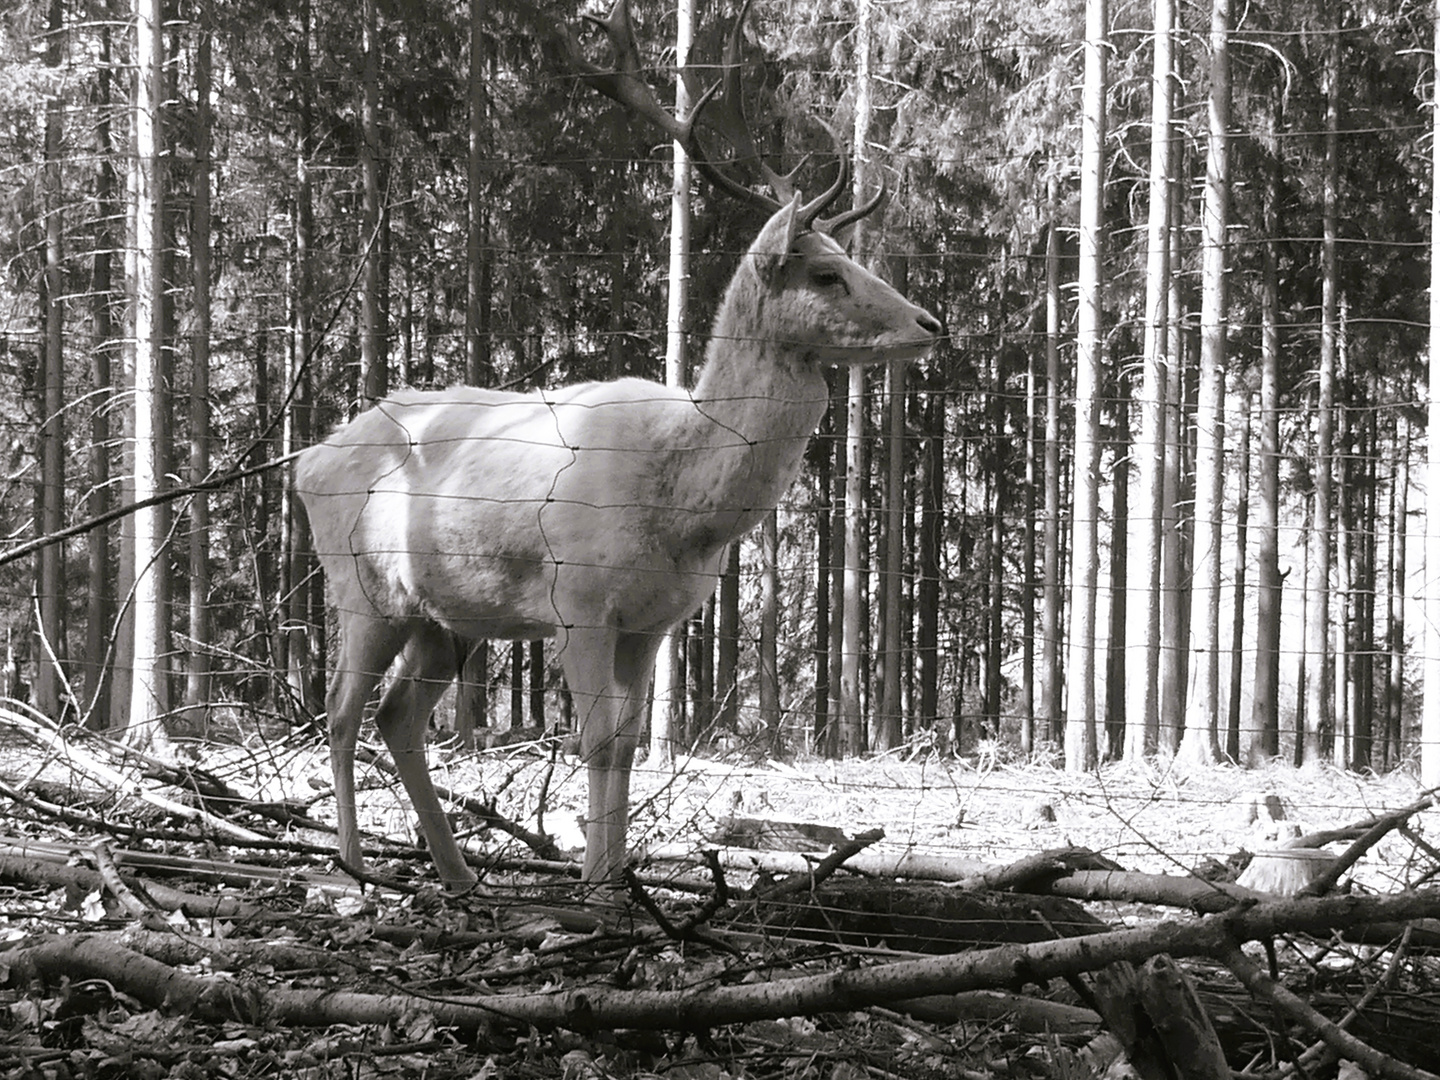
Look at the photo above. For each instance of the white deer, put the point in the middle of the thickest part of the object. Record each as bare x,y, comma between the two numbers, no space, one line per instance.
598,514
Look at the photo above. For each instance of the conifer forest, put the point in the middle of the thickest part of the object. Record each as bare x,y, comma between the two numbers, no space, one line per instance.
1155,504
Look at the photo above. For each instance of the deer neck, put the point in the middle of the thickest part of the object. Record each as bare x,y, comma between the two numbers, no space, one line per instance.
757,402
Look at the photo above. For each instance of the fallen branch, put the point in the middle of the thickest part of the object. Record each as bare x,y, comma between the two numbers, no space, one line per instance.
110,779
1266,989
1373,835
599,1008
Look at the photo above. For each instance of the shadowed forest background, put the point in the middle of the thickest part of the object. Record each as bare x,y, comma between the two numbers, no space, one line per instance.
1211,492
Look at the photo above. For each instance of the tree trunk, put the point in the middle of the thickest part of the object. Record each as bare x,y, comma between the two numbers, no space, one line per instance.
148,696
50,569
537,683
768,674
1030,599
852,740
1367,483
1318,704
995,543
887,731
840,412
1080,748
1174,587
1342,481
727,641
1142,641
304,620
932,515
1052,593
824,560
1264,739
1116,720
1201,740
197,668
669,696
1398,540
1237,623
472,691
100,597
517,685
473,672
374,363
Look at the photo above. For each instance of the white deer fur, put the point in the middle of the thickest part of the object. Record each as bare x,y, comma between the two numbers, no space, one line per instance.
598,514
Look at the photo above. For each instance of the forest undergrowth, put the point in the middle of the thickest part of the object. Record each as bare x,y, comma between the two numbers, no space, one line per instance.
190,922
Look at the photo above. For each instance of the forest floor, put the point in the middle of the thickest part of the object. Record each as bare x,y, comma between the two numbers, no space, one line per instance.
118,963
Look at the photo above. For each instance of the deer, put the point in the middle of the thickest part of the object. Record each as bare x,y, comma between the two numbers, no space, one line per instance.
599,514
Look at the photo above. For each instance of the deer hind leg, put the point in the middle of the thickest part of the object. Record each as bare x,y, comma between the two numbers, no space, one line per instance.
367,646
427,667
609,675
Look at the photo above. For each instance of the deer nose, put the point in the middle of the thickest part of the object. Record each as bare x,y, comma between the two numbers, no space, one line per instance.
931,325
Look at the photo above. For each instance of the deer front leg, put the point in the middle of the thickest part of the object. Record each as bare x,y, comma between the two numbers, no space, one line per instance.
608,679
609,675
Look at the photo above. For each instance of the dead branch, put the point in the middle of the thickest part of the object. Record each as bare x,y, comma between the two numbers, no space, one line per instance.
1372,836
595,1008
1266,989
42,871
88,765
827,866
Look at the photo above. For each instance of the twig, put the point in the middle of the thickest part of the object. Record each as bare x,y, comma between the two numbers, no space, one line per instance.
110,875
824,868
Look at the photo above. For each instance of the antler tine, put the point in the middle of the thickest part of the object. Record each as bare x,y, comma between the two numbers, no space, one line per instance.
624,83
834,225
734,127
812,210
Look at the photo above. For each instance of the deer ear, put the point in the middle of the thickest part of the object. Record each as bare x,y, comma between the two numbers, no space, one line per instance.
772,248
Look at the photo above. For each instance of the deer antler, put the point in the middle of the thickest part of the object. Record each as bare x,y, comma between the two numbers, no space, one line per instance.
725,115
